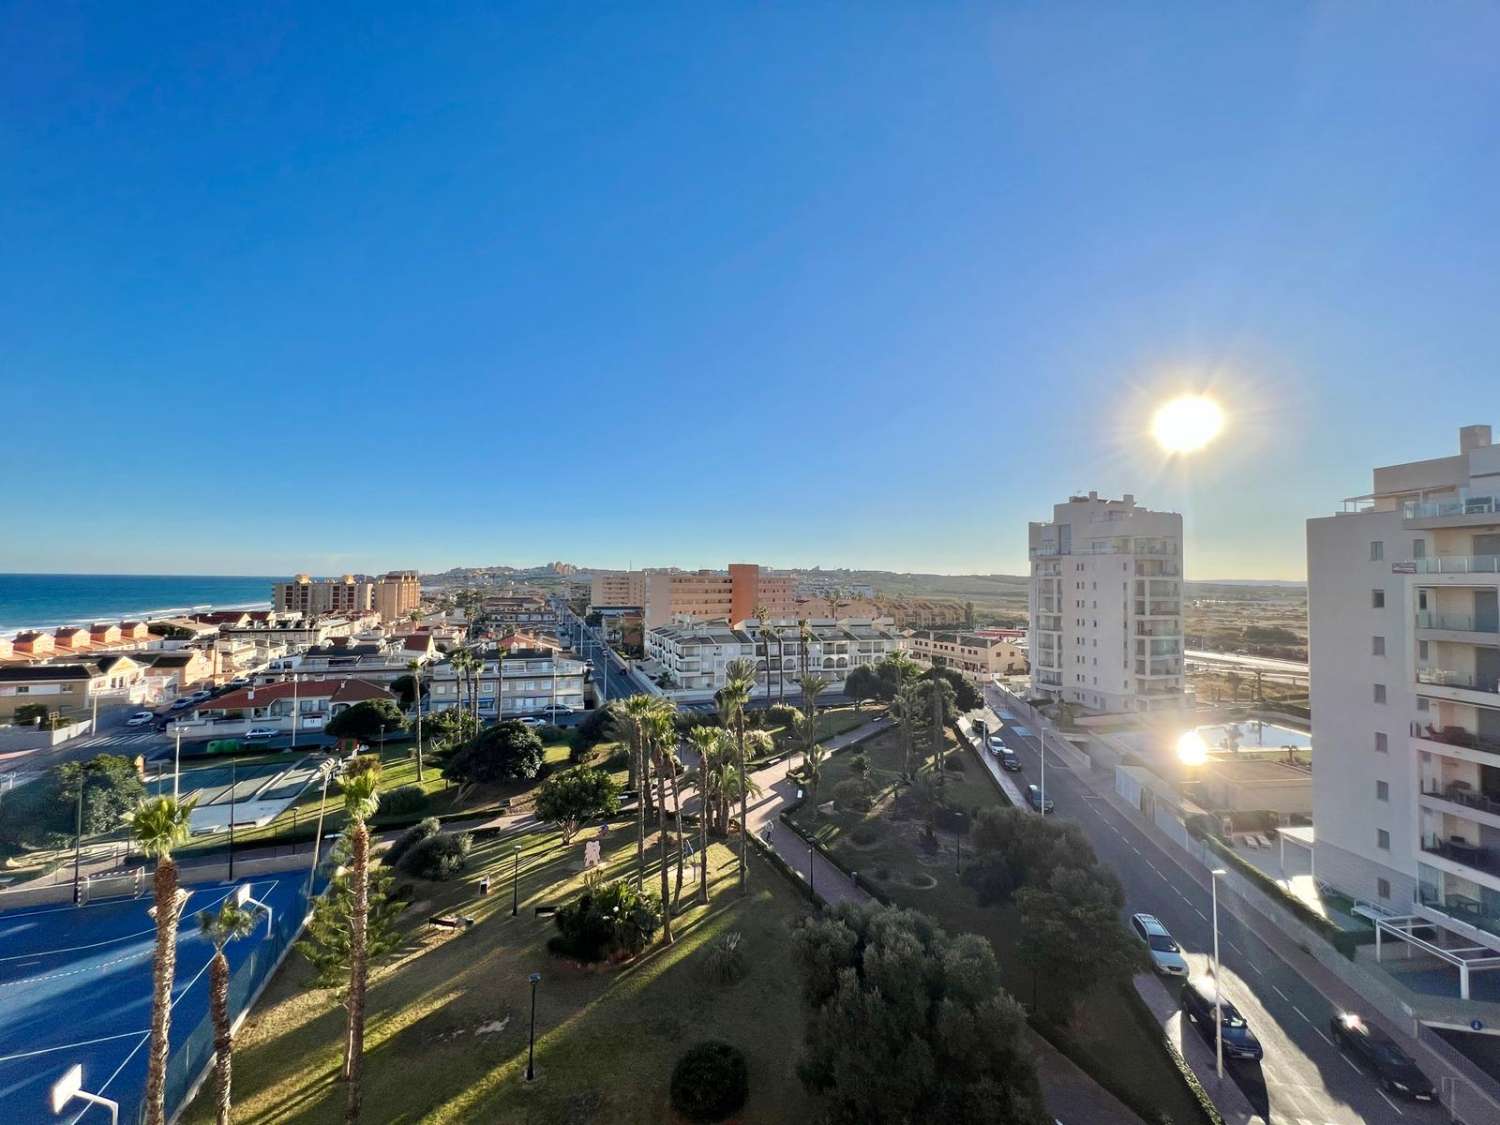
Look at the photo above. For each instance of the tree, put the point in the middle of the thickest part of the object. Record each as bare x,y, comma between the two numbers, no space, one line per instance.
937,695
966,696
862,685
711,745
1012,848
733,697
366,722
46,811
813,686
577,795
893,672
361,785
661,739
405,688
449,728
1071,937
909,710
326,942
507,751
907,1024
231,923
632,720
158,826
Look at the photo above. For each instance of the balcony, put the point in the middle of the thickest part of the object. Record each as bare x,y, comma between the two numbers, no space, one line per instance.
1461,681
1461,793
1158,629
1462,909
1457,623
1438,509
1049,622
1464,853
1458,564
1158,609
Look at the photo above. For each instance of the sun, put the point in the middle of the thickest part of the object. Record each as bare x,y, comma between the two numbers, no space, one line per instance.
1191,749
1187,423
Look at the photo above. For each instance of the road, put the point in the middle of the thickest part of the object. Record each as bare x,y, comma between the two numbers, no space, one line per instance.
1303,1078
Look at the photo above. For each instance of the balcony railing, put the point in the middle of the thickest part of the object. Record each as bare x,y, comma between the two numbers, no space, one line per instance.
1462,852
1457,622
1456,736
1157,629
1461,793
1463,908
1158,609
1458,564
1441,677
1464,506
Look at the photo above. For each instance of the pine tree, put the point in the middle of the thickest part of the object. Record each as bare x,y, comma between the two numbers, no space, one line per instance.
327,940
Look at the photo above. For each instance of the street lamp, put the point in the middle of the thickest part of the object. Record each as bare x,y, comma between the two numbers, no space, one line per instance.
515,883
1218,998
70,1086
327,769
531,1044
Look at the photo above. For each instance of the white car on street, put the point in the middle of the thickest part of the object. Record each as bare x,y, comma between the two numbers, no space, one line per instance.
1166,956
140,719
257,733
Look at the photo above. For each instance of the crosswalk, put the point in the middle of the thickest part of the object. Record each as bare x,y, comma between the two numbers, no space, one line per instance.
142,738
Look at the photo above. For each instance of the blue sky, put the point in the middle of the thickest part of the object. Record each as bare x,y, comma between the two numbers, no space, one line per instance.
358,286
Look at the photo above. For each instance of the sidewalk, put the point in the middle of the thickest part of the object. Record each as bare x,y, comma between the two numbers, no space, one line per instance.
1226,1095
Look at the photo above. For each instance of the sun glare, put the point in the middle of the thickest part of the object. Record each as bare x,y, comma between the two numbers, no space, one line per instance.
1187,423
1191,749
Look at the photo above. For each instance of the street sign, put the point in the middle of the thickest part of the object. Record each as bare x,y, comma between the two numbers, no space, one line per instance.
1477,1024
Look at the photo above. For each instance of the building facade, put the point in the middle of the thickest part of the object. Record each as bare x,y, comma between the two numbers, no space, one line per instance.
980,658
618,588
534,682
1106,606
674,596
397,594
1404,646
693,657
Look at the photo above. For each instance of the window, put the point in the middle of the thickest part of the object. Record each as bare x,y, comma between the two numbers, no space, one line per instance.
1379,693
1382,742
1382,839
1422,650
1377,599
1422,704
1383,888
1382,791
1419,548
1377,551
1377,646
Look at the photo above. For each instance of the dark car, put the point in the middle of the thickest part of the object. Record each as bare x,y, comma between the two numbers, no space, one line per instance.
1197,1002
1393,1067
1010,760
1034,799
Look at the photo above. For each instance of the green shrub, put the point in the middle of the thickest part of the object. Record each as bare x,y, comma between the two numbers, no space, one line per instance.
613,921
619,758
710,1082
411,838
551,732
782,715
852,793
403,801
725,962
438,857
864,833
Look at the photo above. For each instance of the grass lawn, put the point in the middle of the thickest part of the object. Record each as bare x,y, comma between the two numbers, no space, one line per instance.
447,1030
1108,1041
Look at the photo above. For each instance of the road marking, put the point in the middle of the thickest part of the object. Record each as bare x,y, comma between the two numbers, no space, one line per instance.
1257,969
1200,914
1135,849
1283,995
1347,1060
1390,1103
1300,1012
1236,948
1324,1037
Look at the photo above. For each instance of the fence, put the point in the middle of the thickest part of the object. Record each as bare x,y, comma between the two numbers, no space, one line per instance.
192,1059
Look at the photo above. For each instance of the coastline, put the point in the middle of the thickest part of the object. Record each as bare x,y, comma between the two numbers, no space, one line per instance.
147,615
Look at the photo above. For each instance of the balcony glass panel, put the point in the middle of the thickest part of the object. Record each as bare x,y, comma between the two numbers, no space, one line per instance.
1458,564
1440,677
1457,622
1464,506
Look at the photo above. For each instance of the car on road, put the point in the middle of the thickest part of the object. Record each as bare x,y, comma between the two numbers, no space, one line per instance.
995,743
141,719
238,682
258,733
531,721
1034,799
1009,759
1197,1001
1166,955
1393,1068
184,703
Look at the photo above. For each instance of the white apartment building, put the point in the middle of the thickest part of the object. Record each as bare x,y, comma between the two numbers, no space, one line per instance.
1404,645
696,655
979,658
1106,606
535,681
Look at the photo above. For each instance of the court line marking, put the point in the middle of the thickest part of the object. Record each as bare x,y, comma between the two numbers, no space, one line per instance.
71,1046
79,948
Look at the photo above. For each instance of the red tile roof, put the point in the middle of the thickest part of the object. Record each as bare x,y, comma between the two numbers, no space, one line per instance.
335,691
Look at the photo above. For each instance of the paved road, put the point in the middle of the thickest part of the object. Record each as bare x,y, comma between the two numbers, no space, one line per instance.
1303,1078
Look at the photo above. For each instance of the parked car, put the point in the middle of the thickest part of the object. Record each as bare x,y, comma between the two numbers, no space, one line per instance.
257,733
531,721
141,719
1393,1067
183,704
239,682
1034,799
1197,1000
996,743
1010,760
1166,955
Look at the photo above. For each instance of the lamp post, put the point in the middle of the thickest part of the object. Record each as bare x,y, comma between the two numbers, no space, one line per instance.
1218,997
531,1043
296,719
176,760
233,782
515,884
78,838
327,770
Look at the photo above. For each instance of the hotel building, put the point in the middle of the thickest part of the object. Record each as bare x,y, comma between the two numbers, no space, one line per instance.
1106,606
1404,645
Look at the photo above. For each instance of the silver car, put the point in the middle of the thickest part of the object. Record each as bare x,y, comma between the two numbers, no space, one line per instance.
1166,956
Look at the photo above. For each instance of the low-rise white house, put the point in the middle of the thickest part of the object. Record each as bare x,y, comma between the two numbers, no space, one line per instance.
536,680
693,658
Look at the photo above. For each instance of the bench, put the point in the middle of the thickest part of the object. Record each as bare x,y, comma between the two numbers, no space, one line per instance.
451,921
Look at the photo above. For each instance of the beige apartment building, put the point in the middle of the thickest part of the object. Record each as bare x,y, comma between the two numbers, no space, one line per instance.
676,596
979,658
618,588
393,595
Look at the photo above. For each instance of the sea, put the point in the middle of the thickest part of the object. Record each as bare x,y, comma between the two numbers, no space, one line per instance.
46,601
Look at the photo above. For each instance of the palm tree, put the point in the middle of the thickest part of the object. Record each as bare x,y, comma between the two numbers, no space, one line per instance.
709,743
632,719
661,732
805,636
761,613
159,825
415,666
739,681
775,632
361,785
907,710
229,924
813,686
939,698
